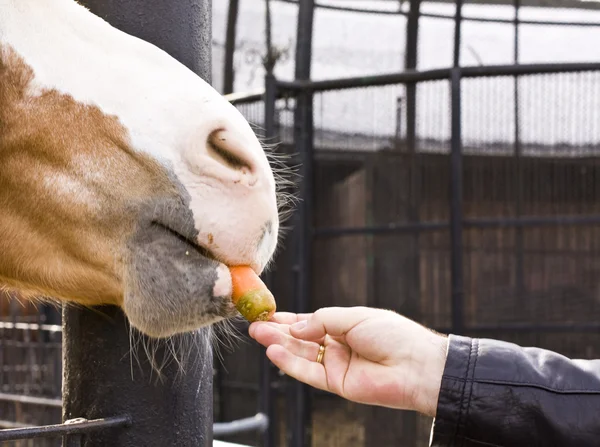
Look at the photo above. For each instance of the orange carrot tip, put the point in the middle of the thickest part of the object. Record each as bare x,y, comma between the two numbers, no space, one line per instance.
250,295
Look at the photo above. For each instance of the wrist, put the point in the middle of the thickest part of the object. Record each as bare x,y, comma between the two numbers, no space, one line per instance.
430,379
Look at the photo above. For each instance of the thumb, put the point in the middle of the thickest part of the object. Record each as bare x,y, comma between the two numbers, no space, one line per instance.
333,321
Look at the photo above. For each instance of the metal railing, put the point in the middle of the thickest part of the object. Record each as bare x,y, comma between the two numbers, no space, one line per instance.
72,430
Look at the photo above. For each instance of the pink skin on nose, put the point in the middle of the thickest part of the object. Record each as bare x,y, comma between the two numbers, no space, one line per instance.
223,285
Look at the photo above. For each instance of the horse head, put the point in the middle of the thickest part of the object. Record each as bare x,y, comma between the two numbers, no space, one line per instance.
125,179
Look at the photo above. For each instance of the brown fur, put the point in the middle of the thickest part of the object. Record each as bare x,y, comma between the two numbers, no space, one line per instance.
69,186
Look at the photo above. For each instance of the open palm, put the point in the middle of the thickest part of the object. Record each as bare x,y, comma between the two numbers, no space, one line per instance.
372,356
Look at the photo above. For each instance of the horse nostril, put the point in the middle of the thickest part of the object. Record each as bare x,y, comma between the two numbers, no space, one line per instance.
227,150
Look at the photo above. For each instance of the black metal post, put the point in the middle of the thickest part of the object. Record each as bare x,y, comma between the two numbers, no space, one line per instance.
304,240
101,379
519,243
457,32
182,28
517,4
410,244
410,63
228,70
270,58
299,397
456,212
267,401
306,11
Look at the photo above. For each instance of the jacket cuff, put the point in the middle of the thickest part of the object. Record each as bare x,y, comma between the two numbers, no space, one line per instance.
455,392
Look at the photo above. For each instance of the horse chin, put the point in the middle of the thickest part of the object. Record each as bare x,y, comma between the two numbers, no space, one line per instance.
173,286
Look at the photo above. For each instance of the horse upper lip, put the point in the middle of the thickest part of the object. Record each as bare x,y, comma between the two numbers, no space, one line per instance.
187,239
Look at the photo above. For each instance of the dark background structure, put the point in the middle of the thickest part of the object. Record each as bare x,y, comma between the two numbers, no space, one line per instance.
435,215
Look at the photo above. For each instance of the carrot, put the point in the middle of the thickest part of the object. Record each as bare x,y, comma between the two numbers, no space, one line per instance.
250,295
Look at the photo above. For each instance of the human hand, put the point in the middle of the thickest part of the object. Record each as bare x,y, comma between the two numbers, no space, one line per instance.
372,356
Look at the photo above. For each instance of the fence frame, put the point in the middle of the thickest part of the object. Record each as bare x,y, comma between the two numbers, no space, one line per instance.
304,150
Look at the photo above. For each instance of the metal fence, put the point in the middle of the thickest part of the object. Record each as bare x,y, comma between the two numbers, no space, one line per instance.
477,229
31,382
462,194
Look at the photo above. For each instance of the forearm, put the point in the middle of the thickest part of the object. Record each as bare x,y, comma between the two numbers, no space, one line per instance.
499,394
433,353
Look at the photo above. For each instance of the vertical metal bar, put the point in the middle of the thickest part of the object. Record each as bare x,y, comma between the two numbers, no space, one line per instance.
303,137
456,212
13,351
41,354
399,117
457,31
230,34
270,57
3,362
306,10
410,63
219,389
519,243
182,28
409,420
101,378
302,397
517,4
267,401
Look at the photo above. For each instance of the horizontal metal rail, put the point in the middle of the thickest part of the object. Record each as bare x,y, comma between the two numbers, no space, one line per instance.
78,426
512,21
245,97
391,228
12,424
259,422
412,76
352,9
32,400
528,69
532,221
30,326
404,77
444,16
249,97
501,222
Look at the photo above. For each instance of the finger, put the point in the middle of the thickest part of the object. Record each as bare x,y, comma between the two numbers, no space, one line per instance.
289,317
281,319
254,326
299,368
268,335
333,321
284,328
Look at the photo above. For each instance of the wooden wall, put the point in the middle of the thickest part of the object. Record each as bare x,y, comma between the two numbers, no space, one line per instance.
510,274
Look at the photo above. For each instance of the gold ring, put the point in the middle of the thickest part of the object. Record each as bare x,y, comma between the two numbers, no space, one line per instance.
321,353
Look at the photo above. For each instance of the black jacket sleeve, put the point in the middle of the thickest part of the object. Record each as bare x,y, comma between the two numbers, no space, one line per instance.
496,393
